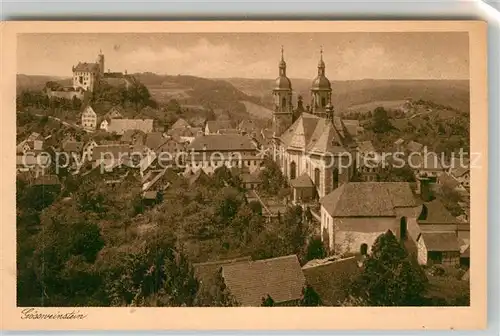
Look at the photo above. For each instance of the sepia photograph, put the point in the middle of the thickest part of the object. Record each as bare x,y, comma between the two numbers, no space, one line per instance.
245,169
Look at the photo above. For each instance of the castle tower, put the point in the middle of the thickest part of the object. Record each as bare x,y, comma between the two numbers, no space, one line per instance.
100,62
282,94
321,90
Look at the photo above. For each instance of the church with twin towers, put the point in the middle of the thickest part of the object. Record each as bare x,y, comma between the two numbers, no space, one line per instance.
312,145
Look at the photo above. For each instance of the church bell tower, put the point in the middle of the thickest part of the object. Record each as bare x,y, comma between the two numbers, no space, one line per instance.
321,90
282,94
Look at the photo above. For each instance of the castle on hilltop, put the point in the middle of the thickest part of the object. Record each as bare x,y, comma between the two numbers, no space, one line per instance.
87,75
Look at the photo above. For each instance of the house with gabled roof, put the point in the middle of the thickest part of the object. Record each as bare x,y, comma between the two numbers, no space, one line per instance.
215,126
252,282
89,119
356,213
180,124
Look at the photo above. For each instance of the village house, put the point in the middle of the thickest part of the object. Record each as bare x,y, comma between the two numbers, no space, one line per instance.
252,282
89,119
354,128
35,163
440,237
231,150
88,150
180,124
356,213
460,171
330,278
217,127
120,126
111,156
368,166
34,142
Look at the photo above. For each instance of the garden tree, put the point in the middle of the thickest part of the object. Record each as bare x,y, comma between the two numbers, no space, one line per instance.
267,302
273,181
138,95
223,177
62,260
216,294
450,198
315,249
155,274
391,174
380,121
256,207
309,297
173,106
389,277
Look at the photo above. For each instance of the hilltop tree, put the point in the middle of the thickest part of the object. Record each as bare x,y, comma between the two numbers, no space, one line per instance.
380,121
389,277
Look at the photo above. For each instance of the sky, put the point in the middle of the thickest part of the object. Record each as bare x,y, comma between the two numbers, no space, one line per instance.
348,56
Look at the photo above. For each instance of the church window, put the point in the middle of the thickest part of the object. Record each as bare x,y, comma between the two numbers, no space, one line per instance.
293,173
283,102
316,176
335,178
323,101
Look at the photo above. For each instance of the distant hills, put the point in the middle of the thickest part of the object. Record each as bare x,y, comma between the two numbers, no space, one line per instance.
241,98
349,95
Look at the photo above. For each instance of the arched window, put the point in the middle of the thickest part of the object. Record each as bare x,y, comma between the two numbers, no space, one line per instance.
316,176
363,249
293,172
335,178
283,102
402,228
323,102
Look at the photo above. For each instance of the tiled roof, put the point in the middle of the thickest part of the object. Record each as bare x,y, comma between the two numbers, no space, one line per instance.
399,141
441,241
434,212
303,181
222,142
180,123
369,199
121,125
331,280
229,131
250,282
207,271
458,168
217,125
154,140
414,146
251,178
86,67
110,151
314,134
366,147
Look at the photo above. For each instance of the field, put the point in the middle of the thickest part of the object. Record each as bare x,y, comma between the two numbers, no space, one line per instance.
258,111
386,104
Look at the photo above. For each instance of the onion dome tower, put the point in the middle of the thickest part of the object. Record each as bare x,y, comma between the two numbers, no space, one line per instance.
321,90
282,94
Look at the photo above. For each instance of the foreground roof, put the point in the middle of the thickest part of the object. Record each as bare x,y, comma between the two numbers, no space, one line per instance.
250,282
332,278
222,142
368,199
441,241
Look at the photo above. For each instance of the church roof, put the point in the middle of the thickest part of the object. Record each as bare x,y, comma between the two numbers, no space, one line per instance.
368,199
321,83
283,83
316,135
